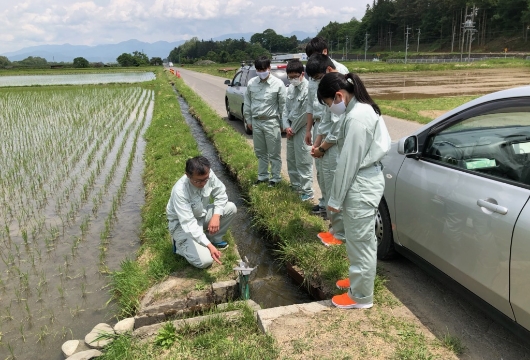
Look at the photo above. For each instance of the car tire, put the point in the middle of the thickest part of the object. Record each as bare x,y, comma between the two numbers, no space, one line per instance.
383,233
245,125
247,130
230,116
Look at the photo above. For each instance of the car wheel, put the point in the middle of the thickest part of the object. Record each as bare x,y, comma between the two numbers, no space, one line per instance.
247,130
383,233
230,116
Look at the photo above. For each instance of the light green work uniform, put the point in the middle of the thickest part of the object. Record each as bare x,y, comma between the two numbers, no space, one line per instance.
189,212
357,190
329,128
317,110
264,104
299,160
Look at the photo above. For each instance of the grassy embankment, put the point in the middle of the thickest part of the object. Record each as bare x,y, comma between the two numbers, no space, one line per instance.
277,211
169,144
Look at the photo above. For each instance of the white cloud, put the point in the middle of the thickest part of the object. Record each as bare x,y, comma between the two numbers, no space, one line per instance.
92,22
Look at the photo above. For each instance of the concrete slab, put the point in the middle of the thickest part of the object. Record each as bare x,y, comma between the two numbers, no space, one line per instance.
267,316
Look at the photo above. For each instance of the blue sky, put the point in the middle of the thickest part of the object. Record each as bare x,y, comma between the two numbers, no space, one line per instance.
92,22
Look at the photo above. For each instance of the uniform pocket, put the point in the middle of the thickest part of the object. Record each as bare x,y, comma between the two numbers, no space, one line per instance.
362,200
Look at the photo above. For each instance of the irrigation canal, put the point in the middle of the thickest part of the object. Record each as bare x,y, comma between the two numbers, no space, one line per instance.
269,284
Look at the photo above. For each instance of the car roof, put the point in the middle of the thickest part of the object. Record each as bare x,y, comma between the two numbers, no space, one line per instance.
516,92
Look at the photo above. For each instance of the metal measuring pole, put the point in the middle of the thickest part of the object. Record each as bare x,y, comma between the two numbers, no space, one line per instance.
244,271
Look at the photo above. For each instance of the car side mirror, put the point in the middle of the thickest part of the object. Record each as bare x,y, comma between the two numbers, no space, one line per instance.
408,145
227,82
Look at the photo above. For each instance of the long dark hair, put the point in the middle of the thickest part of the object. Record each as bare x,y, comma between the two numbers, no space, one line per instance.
332,82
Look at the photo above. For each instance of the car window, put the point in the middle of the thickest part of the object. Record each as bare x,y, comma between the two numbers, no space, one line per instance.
496,144
237,78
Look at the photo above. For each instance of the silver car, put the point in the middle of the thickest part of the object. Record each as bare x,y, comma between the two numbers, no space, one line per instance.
235,92
457,201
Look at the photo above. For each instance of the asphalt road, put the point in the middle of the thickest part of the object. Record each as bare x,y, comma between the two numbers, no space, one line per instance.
439,308
212,90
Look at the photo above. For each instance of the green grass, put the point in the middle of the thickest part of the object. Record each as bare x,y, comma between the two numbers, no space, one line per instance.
412,109
363,67
276,212
216,338
169,144
453,343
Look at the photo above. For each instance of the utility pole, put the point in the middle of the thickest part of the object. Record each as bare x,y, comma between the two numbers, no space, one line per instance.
418,48
346,47
390,33
407,43
365,44
453,41
470,27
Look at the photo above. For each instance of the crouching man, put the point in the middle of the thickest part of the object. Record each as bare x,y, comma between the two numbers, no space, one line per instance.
197,226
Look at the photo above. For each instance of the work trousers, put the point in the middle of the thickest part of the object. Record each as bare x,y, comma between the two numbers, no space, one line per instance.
329,165
197,254
359,208
267,138
322,202
300,163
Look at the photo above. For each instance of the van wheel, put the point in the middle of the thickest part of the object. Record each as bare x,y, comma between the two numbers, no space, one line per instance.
228,113
383,233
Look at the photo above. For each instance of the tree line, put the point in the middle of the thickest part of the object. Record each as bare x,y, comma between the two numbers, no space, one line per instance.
137,58
439,25
234,50
442,24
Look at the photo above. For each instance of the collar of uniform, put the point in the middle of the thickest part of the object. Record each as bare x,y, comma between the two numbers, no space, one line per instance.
268,81
351,104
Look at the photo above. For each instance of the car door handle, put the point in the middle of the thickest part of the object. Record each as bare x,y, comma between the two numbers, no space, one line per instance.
492,207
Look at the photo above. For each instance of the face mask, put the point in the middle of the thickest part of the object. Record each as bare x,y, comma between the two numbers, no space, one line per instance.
295,82
338,109
263,75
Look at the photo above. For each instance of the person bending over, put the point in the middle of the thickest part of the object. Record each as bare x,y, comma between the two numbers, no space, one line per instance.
197,226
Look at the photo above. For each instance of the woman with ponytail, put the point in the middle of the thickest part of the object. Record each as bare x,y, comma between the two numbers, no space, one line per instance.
359,183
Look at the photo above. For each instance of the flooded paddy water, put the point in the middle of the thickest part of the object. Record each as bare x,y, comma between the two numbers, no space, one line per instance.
422,85
70,198
76,79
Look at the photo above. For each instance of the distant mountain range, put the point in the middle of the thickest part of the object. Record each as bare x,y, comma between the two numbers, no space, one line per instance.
109,52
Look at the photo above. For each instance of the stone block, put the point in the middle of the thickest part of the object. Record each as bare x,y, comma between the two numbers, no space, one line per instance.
97,331
124,326
85,355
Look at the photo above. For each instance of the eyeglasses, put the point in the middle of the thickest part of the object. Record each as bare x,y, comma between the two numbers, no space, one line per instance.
294,77
317,77
200,182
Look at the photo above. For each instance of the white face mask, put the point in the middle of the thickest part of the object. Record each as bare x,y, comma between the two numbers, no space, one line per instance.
295,82
338,109
263,75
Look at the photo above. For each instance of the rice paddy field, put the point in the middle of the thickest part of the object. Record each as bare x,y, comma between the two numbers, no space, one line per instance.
70,167
76,79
